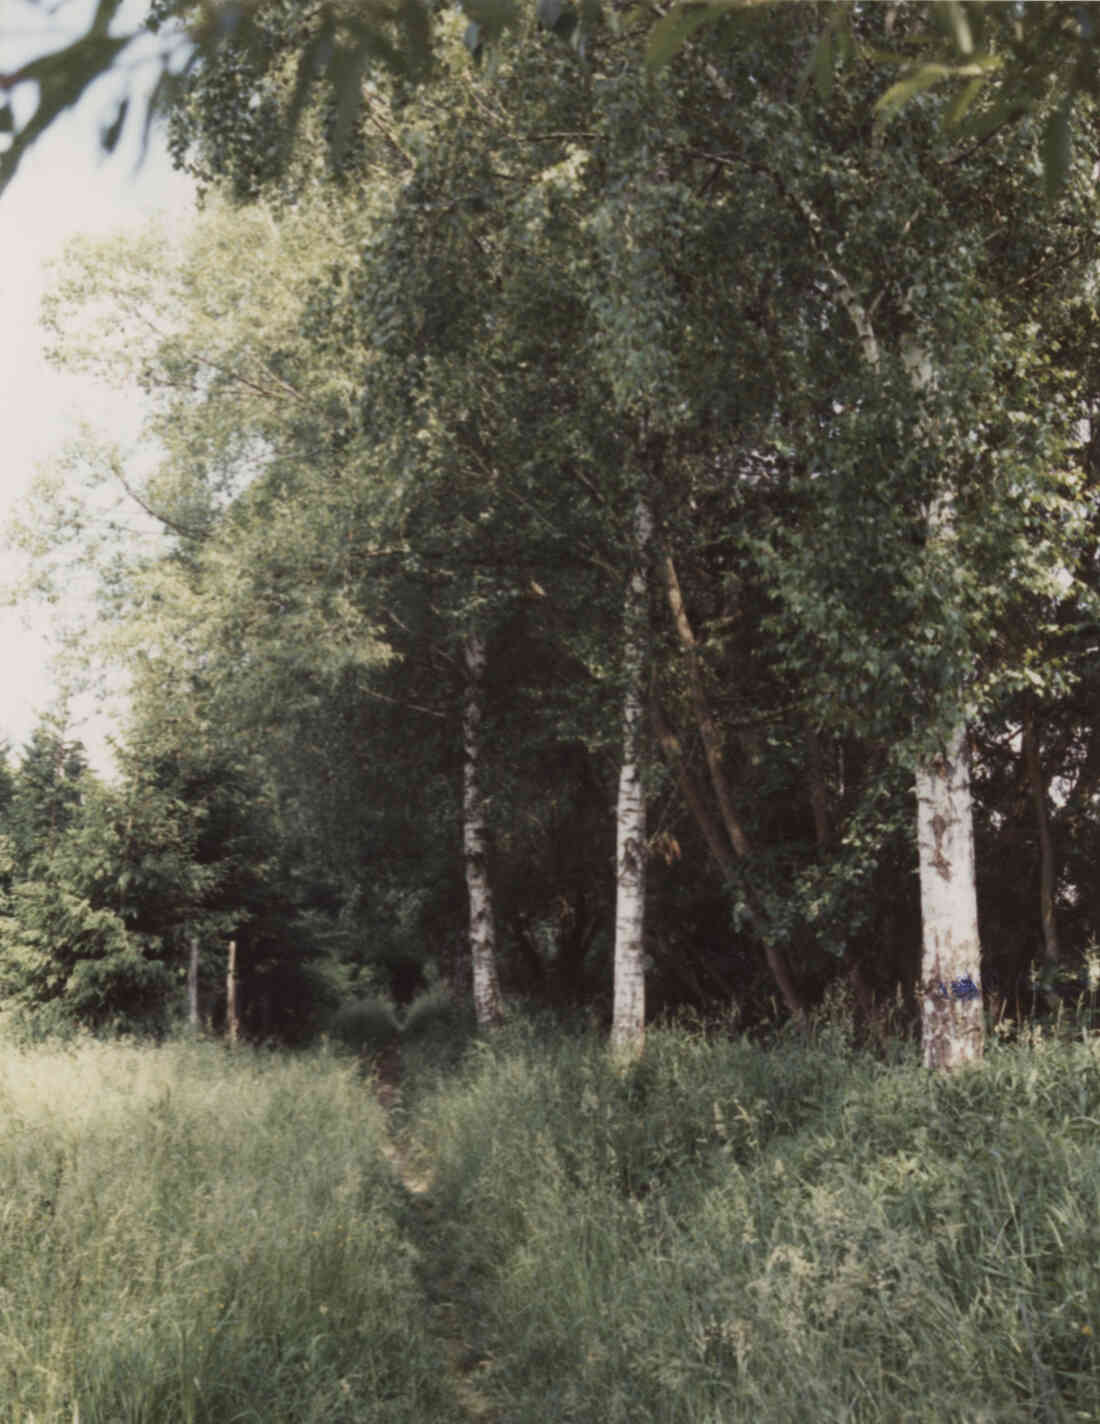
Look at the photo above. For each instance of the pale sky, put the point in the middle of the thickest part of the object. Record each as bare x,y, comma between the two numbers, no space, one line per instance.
63,187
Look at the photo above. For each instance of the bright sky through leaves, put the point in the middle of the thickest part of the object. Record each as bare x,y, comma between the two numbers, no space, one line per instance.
64,187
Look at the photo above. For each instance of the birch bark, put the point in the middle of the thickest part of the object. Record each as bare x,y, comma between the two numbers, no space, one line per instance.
950,991
628,1019
232,1012
193,982
488,1003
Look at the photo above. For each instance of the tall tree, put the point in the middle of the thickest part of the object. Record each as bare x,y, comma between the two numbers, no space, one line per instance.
632,850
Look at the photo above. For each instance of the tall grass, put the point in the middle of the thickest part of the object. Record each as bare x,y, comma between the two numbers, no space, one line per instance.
798,1233
190,1235
726,1232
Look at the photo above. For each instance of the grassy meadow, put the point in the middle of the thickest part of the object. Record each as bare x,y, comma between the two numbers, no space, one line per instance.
728,1231
187,1235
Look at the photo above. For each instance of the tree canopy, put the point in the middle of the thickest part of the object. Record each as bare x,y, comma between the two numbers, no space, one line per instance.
419,396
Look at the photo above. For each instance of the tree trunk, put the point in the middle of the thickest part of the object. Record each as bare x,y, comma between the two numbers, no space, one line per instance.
232,1015
952,1026
1046,845
738,841
628,1021
952,1031
193,982
818,795
488,1003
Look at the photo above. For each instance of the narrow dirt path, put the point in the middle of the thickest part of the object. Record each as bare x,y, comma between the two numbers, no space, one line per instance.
445,1303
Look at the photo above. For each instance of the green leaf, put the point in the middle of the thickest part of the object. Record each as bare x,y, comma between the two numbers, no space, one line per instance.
346,75
981,124
823,65
961,105
159,101
955,22
493,16
672,31
842,44
1057,149
927,76
7,119
899,94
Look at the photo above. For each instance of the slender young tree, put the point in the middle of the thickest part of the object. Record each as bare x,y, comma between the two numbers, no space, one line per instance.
488,1004
628,1021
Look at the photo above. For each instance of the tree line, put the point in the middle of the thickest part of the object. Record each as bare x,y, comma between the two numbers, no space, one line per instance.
631,528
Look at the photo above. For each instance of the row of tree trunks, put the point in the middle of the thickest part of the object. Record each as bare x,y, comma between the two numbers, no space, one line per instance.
950,977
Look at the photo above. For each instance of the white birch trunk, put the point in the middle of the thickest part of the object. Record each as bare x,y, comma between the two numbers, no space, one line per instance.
952,1025
952,1030
628,1021
232,1017
193,982
487,996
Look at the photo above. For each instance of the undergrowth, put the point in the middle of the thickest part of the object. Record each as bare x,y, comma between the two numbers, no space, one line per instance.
731,1232
727,1231
189,1234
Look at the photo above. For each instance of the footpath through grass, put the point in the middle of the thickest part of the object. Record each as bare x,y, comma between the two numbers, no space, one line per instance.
726,1232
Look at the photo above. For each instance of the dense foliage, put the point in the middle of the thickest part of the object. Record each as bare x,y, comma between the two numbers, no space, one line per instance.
407,399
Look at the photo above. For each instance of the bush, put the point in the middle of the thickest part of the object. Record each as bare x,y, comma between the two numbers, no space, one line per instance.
365,1026
436,1033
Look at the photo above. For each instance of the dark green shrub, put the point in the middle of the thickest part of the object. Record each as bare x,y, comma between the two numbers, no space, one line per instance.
364,1026
437,1025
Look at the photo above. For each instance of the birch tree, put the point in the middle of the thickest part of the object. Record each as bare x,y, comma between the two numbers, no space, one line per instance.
926,337
631,850
483,930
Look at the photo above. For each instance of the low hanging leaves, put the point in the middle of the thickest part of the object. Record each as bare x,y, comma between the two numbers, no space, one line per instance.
672,32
